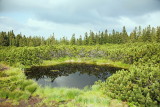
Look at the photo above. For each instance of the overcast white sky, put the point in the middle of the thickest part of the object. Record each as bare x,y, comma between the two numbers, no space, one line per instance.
65,17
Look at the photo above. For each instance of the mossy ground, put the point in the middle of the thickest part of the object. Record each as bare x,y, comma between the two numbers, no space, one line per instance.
98,61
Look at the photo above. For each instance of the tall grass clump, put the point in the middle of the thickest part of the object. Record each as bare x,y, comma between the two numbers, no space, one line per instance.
31,88
58,94
13,85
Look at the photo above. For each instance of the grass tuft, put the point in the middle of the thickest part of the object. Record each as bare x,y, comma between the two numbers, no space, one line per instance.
31,88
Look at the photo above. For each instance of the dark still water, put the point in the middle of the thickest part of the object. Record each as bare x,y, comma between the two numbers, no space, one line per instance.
71,75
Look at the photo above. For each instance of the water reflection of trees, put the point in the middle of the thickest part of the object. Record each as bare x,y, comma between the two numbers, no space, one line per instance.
52,72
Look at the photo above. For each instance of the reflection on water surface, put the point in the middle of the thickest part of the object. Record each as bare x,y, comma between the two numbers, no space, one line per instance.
71,75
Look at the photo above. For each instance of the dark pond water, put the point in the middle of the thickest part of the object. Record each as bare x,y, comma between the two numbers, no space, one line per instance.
71,75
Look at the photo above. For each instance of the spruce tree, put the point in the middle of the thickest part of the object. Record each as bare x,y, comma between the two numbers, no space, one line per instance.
133,36
91,38
4,39
153,34
79,41
73,40
106,36
158,35
85,41
124,35
148,34
97,39
101,37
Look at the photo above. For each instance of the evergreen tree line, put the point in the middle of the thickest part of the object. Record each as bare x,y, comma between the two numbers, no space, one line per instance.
148,34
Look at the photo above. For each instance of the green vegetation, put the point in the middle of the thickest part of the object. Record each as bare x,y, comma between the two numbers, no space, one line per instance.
140,85
126,53
139,52
75,97
14,85
96,61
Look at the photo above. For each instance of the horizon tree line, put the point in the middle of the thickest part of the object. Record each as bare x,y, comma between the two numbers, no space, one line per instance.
148,34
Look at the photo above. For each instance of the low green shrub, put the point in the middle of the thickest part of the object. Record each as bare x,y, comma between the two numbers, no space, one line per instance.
140,85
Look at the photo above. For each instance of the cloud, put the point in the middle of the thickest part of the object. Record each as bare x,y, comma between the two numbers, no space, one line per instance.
65,17
36,27
82,11
7,23
58,29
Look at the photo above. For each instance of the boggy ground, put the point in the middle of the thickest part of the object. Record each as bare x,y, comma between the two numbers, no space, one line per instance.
53,97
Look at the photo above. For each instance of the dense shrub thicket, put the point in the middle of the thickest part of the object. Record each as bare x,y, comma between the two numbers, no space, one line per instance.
140,85
24,56
127,53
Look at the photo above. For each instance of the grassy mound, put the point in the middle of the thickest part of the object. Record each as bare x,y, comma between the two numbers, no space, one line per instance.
15,86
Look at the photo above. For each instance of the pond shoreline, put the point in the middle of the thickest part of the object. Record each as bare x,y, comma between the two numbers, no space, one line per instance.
70,74
87,61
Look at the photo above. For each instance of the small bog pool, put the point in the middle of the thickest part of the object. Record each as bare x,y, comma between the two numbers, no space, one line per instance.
70,75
